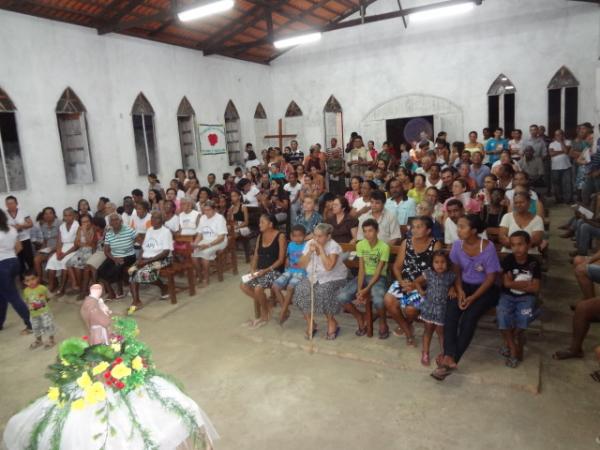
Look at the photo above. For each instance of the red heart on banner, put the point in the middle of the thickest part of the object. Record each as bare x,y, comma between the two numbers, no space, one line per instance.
213,139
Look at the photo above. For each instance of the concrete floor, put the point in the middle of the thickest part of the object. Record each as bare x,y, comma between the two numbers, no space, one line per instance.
263,391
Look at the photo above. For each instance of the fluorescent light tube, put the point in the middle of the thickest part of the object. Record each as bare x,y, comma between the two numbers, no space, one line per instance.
205,10
441,13
297,40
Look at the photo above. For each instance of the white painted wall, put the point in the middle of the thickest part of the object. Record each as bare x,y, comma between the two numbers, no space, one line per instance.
368,66
40,58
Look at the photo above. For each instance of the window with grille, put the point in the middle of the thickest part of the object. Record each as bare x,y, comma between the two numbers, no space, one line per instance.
144,136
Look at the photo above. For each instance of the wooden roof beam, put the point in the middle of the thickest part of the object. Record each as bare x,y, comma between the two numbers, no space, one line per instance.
114,21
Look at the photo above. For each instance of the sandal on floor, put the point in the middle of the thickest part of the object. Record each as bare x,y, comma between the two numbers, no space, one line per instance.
35,344
49,345
284,319
384,335
438,360
566,354
595,376
333,336
26,331
504,351
258,324
425,359
361,331
307,337
119,296
511,362
164,296
410,341
398,332
441,373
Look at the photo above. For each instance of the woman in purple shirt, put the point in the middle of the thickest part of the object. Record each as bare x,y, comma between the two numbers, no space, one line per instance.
476,265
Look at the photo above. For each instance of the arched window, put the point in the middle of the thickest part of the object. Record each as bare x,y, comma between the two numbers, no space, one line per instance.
186,122
294,125
143,132
334,127
501,104
232,134
563,93
12,175
72,126
260,127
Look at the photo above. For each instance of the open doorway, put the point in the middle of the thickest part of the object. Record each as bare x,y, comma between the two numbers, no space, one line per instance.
408,129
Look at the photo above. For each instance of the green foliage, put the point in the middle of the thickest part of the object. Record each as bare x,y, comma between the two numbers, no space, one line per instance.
71,349
97,353
39,428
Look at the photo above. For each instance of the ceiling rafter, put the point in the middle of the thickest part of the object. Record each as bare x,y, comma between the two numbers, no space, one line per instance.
114,22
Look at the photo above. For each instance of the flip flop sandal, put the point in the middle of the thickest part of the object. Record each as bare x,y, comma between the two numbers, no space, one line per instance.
512,362
258,324
307,337
26,331
441,373
284,319
410,341
566,354
504,351
164,296
398,332
425,359
49,345
438,359
35,344
333,336
361,331
119,296
595,376
384,335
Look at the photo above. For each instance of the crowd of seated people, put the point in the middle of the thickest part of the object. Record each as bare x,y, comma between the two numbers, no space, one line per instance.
439,233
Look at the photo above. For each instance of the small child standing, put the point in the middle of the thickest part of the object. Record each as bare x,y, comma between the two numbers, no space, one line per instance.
521,283
435,300
36,297
293,274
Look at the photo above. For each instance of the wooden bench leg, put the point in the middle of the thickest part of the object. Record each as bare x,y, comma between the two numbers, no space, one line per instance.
191,275
234,263
171,285
246,245
369,316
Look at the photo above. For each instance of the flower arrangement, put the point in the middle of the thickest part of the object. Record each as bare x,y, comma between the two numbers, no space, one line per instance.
105,382
84,372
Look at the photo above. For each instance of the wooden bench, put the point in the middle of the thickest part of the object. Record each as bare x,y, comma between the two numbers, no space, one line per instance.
227,258
254,214
182,263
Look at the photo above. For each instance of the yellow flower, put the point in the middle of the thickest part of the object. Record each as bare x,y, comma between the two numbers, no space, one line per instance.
53,393
120,371
78,404
64,375
131,310
64,362
101,367
116,347
136,363
95,393
84,381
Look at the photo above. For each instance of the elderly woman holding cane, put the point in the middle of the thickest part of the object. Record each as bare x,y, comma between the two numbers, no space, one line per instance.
327,275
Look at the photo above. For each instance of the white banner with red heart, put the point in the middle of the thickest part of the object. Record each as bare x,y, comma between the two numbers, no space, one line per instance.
212,139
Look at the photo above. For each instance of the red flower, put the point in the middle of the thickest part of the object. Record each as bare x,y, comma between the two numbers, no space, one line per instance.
119,360
85,338
120,384
107,375
108,382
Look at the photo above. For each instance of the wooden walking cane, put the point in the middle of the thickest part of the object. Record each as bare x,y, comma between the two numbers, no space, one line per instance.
312,303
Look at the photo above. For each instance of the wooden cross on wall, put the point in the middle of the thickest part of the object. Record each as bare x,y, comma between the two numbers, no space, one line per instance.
280,134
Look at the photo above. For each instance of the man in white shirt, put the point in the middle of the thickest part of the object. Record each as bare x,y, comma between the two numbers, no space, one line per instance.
293,188
389,228
249,193
561,168
455,211
515,145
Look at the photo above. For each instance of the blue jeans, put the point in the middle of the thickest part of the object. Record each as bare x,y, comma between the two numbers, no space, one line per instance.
9,270
515,311
585,234
348,293
562,185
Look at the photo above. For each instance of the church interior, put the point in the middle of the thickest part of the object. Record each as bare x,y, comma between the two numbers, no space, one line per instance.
428,175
